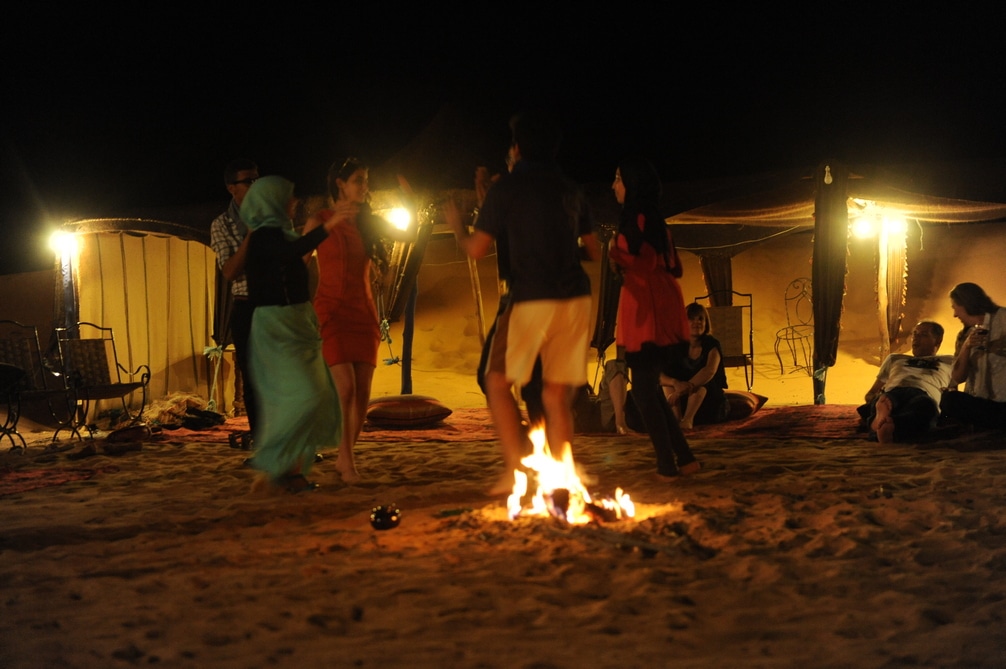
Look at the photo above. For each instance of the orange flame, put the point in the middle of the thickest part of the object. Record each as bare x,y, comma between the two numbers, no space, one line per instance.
560,491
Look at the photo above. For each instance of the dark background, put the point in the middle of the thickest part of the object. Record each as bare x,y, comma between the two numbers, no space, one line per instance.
109,114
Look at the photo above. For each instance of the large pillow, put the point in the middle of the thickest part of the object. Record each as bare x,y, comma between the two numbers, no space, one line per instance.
743,403
405,412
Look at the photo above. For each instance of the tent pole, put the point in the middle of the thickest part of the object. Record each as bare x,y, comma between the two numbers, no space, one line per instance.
408,328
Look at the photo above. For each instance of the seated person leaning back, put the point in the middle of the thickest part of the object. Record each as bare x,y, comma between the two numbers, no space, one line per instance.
904,401
693,378
980,362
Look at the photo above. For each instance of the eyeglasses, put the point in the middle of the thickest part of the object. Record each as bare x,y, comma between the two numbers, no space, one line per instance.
246,182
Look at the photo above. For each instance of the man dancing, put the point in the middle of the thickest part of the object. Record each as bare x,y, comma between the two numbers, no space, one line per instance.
543,219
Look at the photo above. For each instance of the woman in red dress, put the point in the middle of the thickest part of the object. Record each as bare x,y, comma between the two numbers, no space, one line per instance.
344,300
651,309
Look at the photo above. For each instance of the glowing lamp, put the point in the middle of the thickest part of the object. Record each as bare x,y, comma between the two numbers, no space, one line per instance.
63,243
894,226
863,228
399,217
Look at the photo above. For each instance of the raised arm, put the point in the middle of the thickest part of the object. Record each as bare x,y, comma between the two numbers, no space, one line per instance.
234,266
475,244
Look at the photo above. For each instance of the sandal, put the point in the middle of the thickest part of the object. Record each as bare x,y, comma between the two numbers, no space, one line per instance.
240,440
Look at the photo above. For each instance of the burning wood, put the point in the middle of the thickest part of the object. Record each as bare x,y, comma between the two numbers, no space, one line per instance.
560,493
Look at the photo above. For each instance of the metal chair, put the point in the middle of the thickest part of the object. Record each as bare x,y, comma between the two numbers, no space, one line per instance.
798,335
91,367
28,378
733,327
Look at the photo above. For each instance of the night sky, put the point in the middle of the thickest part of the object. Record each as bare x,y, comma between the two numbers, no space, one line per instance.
103,114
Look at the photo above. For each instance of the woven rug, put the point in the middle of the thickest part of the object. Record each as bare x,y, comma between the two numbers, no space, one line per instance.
802,421
461,425
826,421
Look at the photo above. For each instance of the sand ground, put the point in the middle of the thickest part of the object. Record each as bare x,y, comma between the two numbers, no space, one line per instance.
780,553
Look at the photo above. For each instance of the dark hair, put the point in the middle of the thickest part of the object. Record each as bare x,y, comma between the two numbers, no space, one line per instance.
537,134
370,230
235,166
973,299
342,171
694,310
642,196
936,328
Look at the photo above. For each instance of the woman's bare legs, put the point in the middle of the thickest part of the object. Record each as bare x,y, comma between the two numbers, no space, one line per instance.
353,381
618,391
694,402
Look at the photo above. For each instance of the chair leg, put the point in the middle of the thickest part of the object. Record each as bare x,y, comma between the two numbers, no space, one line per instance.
9,428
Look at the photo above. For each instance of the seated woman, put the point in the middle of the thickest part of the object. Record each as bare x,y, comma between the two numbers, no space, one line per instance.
979,362
693,379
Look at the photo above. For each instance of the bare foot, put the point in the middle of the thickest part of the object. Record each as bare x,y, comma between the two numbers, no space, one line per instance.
345,464
503,485
261,484
691,468
882,420
885,431
348,474
664,478
686,424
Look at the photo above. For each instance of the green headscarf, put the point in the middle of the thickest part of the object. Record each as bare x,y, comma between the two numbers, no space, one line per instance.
265,205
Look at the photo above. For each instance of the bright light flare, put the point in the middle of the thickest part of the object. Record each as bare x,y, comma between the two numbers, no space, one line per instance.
400,217
63,243
894,225
863,228
874,220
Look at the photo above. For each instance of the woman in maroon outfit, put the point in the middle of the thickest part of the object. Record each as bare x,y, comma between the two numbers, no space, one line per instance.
651,310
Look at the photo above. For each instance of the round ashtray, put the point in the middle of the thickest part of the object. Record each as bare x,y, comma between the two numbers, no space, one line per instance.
385,517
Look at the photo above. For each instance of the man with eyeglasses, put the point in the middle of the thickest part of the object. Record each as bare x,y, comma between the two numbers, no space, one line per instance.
229,237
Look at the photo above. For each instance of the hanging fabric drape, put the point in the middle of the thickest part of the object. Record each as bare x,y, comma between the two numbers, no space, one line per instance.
717,270
831,240
896,280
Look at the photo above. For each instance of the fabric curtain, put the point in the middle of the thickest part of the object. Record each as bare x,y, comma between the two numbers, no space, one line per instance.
717,270
831,238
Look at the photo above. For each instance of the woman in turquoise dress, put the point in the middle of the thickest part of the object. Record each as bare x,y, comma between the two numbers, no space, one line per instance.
298,404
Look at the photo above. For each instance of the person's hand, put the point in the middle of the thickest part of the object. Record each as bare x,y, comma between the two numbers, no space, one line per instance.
404,184
408,196
341,212
978,338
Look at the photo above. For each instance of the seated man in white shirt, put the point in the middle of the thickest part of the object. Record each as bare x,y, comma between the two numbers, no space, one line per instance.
904,402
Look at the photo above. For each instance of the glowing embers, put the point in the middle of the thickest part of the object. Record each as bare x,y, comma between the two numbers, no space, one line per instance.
560,493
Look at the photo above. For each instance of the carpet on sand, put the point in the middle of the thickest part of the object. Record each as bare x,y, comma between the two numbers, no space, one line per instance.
827,421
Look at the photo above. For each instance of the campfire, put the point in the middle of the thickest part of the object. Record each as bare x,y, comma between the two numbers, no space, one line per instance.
560,492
